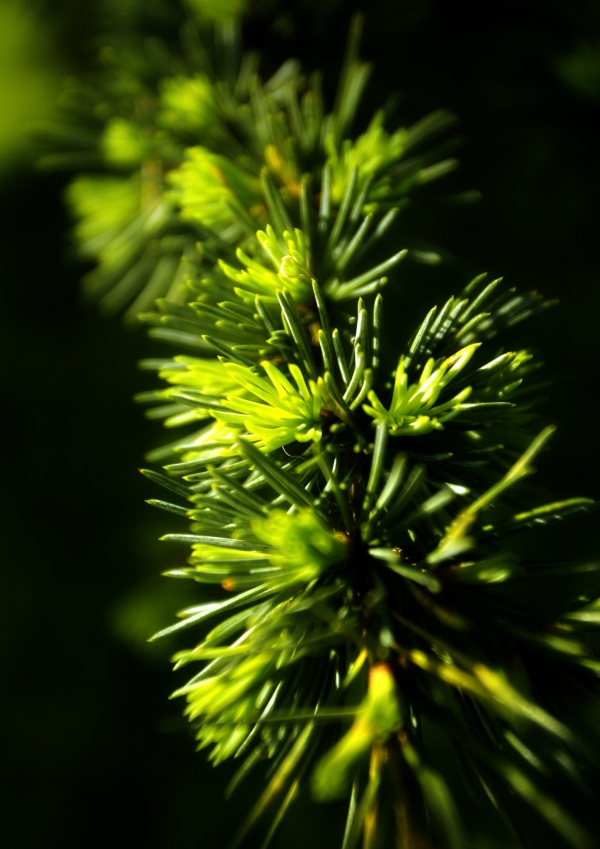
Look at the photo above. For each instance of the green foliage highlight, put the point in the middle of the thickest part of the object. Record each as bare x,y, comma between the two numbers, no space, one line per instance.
289,412
286,268
123,145
207,185
186,104
29,78
301,542
413,408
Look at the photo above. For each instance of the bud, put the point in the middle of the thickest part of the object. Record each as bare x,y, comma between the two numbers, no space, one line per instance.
292,270
378,718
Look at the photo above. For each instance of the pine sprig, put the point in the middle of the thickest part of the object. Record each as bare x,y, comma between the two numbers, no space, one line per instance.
204,156
353,518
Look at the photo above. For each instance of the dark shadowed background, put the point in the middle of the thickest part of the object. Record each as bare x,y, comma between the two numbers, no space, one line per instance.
95,753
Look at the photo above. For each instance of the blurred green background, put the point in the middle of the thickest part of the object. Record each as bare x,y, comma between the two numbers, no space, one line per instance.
95,754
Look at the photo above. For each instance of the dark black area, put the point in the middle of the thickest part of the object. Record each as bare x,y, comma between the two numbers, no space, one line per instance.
95,753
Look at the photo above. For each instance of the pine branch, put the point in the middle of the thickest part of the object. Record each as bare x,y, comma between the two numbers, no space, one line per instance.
333,503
